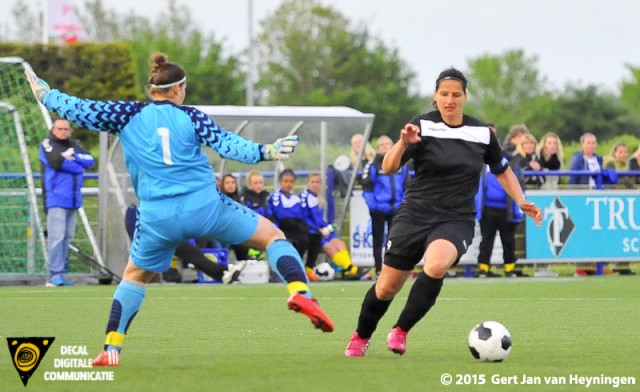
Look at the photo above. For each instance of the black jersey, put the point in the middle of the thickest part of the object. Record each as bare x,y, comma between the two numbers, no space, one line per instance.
448,162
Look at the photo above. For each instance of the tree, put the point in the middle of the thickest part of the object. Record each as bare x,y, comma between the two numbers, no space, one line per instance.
309,57
502,87
578,110
212,77
630,93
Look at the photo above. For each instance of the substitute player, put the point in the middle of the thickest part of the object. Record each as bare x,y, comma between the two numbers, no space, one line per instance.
172,178
436,221
321,234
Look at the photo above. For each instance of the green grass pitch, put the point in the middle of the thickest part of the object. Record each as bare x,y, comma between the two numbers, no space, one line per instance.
242,338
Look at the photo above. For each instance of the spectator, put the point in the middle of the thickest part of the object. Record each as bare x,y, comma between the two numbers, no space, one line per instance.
289,216
254,196
383,194
63,162
551,157
512,139
617,161
357,140
525,159
586,159
321,234
342,175
634,163
229,187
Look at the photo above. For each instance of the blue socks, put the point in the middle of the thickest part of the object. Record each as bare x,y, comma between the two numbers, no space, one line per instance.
285,260
126,302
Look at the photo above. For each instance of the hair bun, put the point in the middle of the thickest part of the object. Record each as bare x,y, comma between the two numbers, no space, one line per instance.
160,59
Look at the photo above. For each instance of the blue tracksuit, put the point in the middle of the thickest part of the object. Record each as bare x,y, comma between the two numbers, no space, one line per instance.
62,178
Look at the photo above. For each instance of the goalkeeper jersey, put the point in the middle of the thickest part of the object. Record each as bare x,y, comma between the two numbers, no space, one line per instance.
161,141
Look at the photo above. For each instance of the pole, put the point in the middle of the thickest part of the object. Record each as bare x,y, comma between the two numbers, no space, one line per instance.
251,62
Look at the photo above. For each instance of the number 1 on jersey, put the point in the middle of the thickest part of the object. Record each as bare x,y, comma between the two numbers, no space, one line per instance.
166,150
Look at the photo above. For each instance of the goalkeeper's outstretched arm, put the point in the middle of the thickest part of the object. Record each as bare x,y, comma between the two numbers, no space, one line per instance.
108,116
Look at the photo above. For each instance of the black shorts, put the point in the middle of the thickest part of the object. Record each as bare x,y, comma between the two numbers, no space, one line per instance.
408,239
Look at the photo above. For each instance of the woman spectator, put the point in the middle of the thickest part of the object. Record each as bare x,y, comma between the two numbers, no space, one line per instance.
551,157
357,141
525,159
617,161
229,185
513,138
254,196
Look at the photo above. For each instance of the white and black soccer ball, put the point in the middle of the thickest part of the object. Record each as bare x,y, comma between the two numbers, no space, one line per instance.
324,271
490,341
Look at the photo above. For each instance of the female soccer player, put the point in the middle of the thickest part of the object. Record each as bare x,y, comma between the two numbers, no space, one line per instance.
436,221
175,184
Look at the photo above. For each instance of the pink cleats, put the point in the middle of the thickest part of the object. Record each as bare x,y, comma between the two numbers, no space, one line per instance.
357,346
397,341
107,358
310,308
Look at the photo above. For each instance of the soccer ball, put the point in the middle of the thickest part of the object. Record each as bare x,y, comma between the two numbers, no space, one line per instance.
490,341
324,271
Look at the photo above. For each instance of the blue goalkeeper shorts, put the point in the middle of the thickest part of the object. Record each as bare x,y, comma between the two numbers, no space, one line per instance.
163,225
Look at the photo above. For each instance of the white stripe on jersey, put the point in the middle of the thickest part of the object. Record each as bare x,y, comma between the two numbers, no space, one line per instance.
474,134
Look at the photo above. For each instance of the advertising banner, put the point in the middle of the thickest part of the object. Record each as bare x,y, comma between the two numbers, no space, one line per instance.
585,226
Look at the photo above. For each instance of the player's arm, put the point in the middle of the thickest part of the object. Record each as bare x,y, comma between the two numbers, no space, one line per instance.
96,115
107,116
232,146
393,159
511,185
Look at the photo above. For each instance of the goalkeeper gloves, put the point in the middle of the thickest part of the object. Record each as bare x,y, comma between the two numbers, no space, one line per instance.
38,86
280,149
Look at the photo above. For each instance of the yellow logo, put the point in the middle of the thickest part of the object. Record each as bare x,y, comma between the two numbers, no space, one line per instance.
27,354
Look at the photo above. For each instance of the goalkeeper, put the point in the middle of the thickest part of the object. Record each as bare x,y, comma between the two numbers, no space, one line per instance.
174,182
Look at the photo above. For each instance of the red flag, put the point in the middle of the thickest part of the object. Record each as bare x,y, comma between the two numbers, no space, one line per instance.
64,24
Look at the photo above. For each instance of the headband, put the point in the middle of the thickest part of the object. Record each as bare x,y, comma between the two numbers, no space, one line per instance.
464,83
184,79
